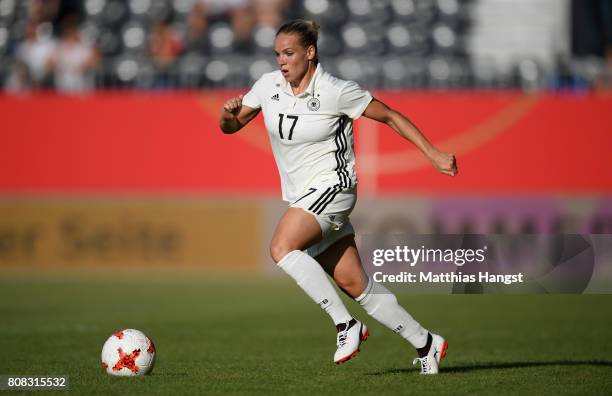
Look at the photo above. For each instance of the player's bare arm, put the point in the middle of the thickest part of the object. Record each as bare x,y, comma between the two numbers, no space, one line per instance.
444,162
235,116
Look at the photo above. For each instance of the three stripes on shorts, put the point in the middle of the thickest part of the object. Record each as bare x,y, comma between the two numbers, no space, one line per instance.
344,180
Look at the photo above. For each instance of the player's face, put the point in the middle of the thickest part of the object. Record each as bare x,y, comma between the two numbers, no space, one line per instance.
292,57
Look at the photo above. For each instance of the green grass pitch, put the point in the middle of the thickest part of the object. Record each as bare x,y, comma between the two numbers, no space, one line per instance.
235,335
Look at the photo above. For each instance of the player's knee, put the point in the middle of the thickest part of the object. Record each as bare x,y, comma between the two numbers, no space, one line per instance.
353,286
279,249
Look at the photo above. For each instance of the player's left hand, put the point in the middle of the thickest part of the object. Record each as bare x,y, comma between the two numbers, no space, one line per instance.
445,163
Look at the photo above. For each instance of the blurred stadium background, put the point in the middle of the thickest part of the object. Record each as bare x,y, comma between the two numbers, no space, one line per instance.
111,154
81,45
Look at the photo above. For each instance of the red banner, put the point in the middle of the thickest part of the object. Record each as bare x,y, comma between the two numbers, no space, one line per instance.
170,143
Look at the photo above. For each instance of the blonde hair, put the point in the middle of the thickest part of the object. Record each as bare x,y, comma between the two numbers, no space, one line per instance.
307,31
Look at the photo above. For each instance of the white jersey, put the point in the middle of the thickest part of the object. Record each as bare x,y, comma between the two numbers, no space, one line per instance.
311,133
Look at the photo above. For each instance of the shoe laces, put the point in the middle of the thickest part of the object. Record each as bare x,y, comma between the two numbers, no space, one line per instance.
342,336
424,364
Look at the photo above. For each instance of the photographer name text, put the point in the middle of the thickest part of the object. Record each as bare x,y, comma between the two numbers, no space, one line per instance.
448,277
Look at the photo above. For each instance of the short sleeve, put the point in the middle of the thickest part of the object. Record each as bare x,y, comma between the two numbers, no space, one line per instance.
253,98
353,100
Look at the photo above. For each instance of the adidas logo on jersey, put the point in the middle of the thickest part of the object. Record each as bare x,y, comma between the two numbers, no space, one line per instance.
275,97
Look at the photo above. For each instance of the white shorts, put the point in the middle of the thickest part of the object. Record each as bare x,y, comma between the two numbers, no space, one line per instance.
331,207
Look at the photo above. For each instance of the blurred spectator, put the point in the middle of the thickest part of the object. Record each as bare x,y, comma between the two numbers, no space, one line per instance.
269,12
73,59
196,39
220,9
43,10
19,79
592,34
239,13
242,24
164,48
34,58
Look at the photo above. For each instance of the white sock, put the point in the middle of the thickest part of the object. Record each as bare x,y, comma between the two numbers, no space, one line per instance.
309,275
382,305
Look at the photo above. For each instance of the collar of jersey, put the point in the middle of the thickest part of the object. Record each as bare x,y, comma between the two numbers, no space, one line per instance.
311,86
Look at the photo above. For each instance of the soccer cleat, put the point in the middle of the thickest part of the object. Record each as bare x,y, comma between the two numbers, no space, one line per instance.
430,362
350,335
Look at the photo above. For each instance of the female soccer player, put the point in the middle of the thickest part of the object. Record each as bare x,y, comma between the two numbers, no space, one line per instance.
309,117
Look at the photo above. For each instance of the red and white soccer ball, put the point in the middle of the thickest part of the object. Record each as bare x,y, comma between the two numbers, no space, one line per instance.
128,353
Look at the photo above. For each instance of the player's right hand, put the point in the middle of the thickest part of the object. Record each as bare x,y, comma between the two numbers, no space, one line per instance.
232,107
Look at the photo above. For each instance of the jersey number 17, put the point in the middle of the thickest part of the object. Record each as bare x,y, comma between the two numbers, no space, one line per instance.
280,125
